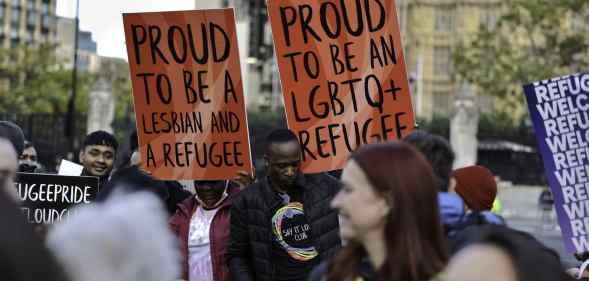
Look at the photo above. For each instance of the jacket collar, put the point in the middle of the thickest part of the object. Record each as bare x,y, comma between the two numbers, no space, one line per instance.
268,193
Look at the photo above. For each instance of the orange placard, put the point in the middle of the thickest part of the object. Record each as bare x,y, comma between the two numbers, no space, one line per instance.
188,93
343,76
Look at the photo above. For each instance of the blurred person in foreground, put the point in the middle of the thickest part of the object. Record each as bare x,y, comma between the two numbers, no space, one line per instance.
282,225
13,133
133,179
8,169
389,218
499,253
23,256
201,225
122,239
12,143
97,155
131,171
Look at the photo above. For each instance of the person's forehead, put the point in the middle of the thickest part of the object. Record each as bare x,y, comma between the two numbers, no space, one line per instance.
29,150
100,147
471,261
354,175
289,149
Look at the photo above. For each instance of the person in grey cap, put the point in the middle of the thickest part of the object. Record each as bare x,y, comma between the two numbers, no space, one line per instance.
14,134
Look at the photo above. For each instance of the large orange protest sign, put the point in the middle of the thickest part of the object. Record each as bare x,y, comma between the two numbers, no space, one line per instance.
343,76
188,93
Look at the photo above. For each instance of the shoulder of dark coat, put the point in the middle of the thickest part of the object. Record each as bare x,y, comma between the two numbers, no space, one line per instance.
323,180
249,192
319,272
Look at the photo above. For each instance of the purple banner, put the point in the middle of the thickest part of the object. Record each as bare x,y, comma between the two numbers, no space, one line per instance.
559,109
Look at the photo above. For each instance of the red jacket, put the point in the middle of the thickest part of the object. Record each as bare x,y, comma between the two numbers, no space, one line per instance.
219,234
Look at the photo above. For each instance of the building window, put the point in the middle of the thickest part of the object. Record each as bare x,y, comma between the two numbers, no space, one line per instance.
31,5
32,18
444,20
15,15
488,19
441,104
45,8
29,36
16,3
46,21
442,62
13,32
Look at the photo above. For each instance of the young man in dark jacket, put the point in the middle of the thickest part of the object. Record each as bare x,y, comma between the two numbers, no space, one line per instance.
97,155
282,226
201,224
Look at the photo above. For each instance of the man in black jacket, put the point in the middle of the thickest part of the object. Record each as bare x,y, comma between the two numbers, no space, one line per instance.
282,225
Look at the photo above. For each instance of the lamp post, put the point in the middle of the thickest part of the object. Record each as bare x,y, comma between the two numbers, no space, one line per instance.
70,121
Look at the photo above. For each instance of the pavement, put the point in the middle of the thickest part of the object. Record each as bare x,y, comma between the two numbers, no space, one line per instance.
521,211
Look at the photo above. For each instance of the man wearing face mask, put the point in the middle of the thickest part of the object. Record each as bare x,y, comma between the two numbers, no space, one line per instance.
27,161
201,224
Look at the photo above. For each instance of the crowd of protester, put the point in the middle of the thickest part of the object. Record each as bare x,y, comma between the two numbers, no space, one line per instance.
398,212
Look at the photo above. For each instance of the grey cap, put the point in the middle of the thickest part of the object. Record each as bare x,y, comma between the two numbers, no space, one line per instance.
14,134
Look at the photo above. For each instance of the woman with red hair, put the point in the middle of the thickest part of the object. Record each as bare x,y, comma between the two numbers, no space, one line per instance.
389,217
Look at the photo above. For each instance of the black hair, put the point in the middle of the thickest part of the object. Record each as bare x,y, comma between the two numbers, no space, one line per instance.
279,136
132,179
14,134
531,259
438,152
28,144
124,155
100,138
133,141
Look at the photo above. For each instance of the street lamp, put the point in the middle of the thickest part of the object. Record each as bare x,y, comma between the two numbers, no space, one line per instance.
70,118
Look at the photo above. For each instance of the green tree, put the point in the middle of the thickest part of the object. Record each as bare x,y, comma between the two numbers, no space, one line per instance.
34,80
532,40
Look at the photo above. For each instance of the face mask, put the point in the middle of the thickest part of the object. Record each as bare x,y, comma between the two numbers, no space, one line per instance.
223,197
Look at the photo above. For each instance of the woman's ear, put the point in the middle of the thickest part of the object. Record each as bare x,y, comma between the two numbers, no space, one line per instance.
384,207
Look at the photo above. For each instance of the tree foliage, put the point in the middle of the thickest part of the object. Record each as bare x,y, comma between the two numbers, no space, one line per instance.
532,40
32,79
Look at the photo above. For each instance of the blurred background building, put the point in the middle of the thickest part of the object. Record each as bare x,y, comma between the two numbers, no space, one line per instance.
430,29
88,59
27,21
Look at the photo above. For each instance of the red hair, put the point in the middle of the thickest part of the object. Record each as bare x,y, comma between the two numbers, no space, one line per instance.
416,246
